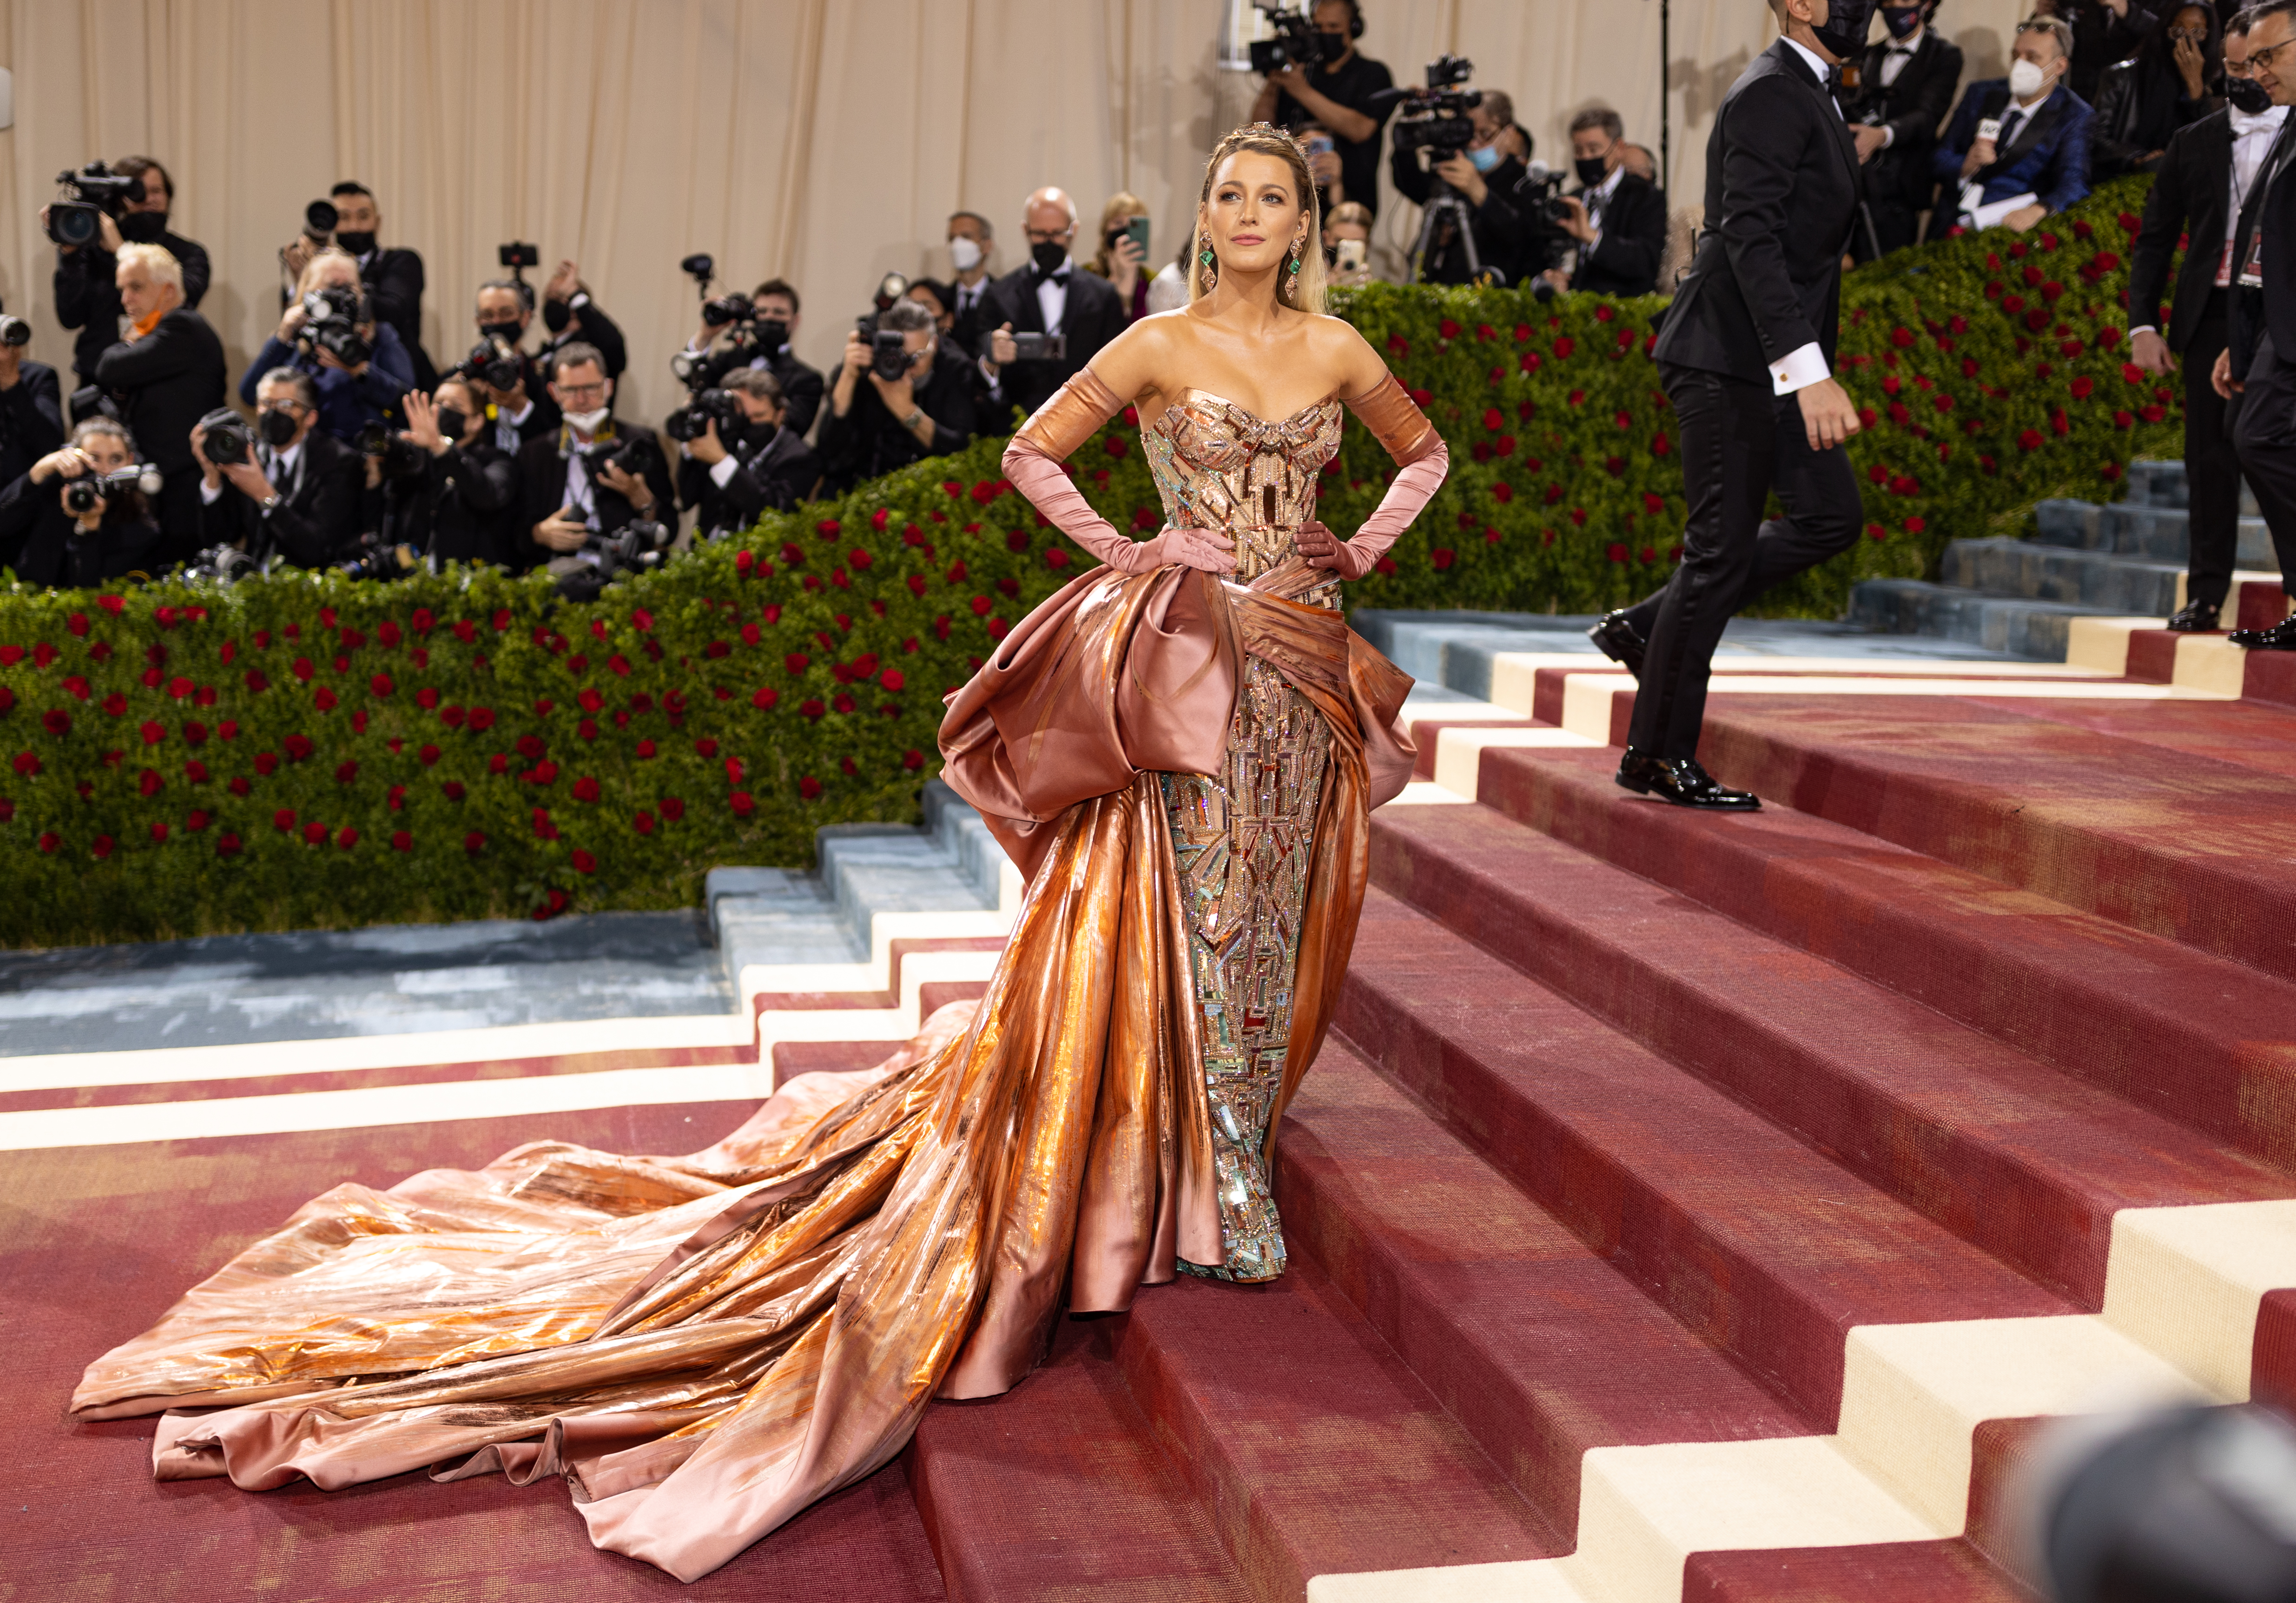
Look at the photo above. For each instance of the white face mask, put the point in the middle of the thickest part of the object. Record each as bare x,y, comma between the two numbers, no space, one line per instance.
2026,80
965,253
586,422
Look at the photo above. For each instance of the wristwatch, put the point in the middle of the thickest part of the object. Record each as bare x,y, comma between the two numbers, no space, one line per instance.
915,414
268,501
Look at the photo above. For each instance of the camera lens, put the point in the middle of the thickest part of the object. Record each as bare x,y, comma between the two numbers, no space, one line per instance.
320,216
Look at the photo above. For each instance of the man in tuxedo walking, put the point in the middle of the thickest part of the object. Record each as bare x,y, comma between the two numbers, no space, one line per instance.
2206,173
2259,364
1747,358
1047,297
1896,99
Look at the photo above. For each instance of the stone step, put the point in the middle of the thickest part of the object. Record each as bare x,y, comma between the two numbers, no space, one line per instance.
2164,484
2015,627
2159,532
2028,571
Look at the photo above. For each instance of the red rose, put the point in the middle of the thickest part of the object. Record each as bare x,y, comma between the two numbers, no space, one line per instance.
808,786
58,722
892,679
284,819
642,621
482,718
2030,439
148,782
227,844
643,823
380,684
324,700
474,842
315,833
1442,557
672,809
197,821
1617,553
50,841
742,803
102,846
586,788
151,732
196,771
452,790
1563,347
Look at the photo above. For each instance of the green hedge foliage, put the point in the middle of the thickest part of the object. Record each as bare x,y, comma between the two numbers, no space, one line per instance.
306,751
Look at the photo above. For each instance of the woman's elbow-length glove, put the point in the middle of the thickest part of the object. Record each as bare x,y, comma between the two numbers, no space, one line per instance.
1396,421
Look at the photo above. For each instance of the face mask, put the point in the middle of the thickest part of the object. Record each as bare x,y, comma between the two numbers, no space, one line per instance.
1592,170
965,253
1901,21
771,335
2026,79
143,227
2248,97
1846,24
1048,256
358,244
760,435
451,423
586,422
277,428
555,315
1485,160
507,332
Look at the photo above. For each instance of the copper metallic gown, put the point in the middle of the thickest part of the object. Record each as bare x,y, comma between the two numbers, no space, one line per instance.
704,1345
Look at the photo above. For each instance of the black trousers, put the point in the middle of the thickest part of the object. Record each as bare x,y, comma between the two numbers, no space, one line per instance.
2212,464
2264,435
1739,443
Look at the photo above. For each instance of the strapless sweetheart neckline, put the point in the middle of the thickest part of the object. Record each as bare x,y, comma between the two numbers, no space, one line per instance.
1284,422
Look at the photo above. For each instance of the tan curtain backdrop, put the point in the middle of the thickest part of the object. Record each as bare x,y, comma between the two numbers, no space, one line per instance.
824,143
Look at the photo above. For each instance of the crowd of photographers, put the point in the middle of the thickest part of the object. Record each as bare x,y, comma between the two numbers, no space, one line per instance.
363,454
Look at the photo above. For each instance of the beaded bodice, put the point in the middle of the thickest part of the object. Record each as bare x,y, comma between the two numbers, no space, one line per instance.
1220,467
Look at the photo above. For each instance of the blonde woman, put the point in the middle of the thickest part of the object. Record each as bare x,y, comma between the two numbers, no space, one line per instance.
706,1345
360,378
1122,260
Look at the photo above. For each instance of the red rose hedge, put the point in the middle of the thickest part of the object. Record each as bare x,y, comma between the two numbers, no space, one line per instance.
306,751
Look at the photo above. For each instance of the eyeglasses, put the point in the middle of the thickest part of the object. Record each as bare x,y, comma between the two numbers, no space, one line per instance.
580,392
1048,236
2267,55
293,408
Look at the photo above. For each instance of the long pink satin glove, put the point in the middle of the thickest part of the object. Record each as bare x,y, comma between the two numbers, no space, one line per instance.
1038,476
1414,485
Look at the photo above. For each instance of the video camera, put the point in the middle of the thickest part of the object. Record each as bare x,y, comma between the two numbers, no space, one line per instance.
1297,42
94,192
331,319
82,493
1435,117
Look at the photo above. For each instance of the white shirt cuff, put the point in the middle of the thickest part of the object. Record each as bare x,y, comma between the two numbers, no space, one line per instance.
1799,370
722,470
1888,136
2144,328
208,497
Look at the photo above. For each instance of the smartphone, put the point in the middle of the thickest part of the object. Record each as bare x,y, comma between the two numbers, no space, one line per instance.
1136,231
1351,254
1041,348
1320,144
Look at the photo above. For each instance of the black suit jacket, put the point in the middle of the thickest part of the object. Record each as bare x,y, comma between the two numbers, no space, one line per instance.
40,541
973,324
588,325
88,295
1913,109
2100,38
317,522
802,387
462,507
165,383
2140,104
2272,207
394,287
31,418
2189,196
778,475
869,440
1625,259
1503,236
1781,189
1096,315
542,469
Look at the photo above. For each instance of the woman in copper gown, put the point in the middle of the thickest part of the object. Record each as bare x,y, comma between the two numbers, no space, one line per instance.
1181,750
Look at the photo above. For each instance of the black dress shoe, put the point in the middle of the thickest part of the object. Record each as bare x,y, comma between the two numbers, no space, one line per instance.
1682,781
2280,637
1616,639
2194,617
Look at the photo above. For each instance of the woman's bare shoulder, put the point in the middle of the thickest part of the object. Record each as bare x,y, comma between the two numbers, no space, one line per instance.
1134,362
1338,349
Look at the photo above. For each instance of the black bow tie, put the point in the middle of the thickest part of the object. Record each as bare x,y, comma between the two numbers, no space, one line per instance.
1059,276
1901,49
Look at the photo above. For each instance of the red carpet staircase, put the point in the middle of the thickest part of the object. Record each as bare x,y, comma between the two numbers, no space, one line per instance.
1633,1117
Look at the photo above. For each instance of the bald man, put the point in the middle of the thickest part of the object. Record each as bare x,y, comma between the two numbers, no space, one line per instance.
1049,296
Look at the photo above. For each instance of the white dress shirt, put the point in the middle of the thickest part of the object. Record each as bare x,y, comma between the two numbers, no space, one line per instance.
1597,200
1052,295
2252,143
1893,68
1804,366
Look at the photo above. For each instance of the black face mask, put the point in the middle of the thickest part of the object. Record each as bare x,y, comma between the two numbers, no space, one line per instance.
1901,21
757,437
1592,170
772,336
277,428
1048,255
358,244
451,423
143,227
1846,24
2247,97
555,315
507,332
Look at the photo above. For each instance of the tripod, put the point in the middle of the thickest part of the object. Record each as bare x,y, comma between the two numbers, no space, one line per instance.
1445,204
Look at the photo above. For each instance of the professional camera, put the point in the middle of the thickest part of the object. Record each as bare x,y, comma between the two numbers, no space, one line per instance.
229,438
319,220
377,558
82,493
1435,118
736,312
494,362
1296,43
332,317
691,420
223,563
94,192
637,544
399,459
889,358
633,455
14,331
1543,184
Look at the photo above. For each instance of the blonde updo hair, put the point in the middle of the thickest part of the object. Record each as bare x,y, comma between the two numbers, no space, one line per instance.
1306,293
307,280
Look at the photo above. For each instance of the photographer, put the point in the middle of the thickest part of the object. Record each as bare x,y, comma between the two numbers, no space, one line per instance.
730,482
31,403
1616,220
774,304
50,541
296,492
579,487
393,278
352,395
461,504
1047,297
1486,173
1336,92
876,424
520,405
568,314
87,297
162,381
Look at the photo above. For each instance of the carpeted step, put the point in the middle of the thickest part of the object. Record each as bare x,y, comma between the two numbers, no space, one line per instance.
1747,1237
2189,1037
1536,1345
1888,1571
1056,1491
2019,1159
2173,845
